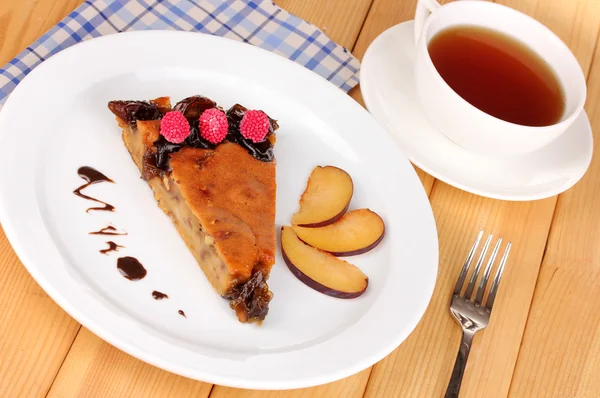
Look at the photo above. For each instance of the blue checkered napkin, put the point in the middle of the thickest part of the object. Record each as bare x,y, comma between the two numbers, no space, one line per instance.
257,22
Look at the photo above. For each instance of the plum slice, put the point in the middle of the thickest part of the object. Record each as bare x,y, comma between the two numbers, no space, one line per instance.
355,233
320,270
326,197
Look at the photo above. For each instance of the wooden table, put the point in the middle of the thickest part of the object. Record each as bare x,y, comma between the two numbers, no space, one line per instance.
544,338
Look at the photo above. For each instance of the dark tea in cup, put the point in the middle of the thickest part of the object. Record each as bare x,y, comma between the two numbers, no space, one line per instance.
498,75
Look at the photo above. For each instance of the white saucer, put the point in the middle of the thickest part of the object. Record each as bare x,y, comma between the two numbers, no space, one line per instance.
389,93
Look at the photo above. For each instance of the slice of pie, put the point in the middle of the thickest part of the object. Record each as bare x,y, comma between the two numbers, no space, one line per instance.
213,172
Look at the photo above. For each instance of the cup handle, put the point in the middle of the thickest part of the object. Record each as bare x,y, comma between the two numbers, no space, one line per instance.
424,10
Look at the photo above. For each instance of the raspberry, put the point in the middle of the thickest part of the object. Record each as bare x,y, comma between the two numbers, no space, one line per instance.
174,127
255,126
213,125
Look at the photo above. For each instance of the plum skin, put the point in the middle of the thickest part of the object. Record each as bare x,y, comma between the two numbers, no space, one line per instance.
316,285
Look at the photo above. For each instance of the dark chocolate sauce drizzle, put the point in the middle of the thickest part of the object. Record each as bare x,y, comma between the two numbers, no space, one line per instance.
110,230
131,268
92,176
180,312
156,295
112,247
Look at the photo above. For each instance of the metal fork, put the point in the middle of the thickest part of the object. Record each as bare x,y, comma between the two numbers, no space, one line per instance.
468,309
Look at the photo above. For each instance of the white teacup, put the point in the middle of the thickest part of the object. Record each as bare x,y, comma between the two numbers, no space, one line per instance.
463,123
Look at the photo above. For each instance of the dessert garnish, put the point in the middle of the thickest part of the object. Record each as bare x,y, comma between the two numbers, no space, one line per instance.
213,125
255,126
321,230
262,150
192,107
156,162
180,312
174,127
92,176
320,270
159,295
131,111
109,230
112,247
131,268
356,232
326,197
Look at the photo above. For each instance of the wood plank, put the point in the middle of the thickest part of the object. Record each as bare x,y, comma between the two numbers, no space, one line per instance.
383,15
23,22
100,370
421,366
560,352
35,334
340,20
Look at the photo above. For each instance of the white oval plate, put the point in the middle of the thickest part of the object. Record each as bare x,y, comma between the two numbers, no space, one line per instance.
388,88
57,120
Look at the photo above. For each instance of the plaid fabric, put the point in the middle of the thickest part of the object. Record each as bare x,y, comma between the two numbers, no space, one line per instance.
257,22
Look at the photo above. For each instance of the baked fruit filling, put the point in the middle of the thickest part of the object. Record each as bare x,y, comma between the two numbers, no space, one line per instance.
213,174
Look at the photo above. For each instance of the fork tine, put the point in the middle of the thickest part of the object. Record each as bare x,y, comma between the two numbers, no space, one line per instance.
463,273
487,272
475,274
494,290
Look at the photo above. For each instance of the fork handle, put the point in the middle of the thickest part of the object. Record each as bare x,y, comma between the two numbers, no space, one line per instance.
459,365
